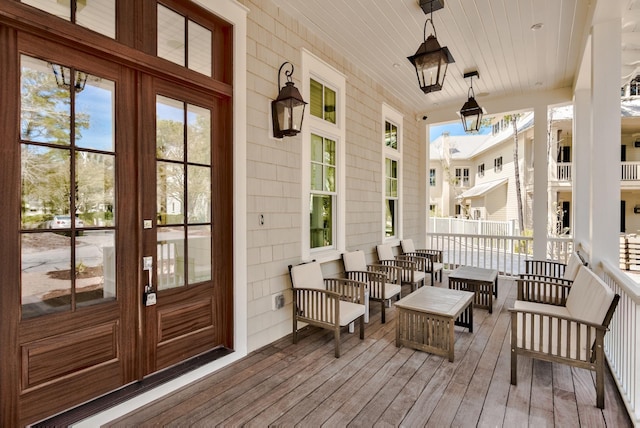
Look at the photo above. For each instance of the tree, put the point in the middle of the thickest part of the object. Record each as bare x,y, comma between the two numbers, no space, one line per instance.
513,118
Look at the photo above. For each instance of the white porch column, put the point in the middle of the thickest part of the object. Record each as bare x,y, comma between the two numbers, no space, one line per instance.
605,149
540,182
581,164
424,188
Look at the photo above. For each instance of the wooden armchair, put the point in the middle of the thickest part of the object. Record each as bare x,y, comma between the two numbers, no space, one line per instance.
434,265
330,303
570,333
412,267
383,280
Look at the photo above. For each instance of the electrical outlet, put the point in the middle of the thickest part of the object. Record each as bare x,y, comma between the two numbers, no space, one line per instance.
278,301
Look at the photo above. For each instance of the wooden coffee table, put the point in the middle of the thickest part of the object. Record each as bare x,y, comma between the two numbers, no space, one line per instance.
427,316
483,282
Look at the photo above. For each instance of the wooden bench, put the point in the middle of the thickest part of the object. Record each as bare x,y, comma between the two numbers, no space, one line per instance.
571,332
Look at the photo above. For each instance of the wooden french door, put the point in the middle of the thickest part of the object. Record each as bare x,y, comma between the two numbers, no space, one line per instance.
186,199
114,168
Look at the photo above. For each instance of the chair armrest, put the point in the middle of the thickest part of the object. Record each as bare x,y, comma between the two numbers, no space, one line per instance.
408,268
545,278
316,305
375,280
537,289
423,263
393,273
434,255
556,336
348,289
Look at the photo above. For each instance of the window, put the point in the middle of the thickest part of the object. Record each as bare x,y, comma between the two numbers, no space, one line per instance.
462,177
99,16
497,164
323,154
432,177
392,158
432,209
183,41
323,101
391,135
481,170
323,191
391,197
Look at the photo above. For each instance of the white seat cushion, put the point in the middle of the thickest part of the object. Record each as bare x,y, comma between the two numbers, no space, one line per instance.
385,252
354,261
349,312
407,246
391,290
437,267
418,276
589,298
573,264
308,275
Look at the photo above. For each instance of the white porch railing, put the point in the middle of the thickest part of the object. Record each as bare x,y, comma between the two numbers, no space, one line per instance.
472,227
621,343
630,171
564,171
506,254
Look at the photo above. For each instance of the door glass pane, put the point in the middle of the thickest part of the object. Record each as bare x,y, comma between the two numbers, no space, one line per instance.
198,135
60,9
199,197
170,257
169,129
199,263
59,215
97,15
171,42
46,273
45,107
199,49
95,194
95,267
45,187
170,193
95,108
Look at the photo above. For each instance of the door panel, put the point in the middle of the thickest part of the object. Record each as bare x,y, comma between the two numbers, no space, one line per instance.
79,276
184,201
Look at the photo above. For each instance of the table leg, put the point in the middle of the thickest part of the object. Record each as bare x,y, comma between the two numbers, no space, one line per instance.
451,340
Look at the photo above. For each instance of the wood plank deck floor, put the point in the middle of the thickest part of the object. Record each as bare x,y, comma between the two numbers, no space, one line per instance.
374,383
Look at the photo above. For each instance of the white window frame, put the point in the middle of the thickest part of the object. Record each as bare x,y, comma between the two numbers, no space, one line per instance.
389,114
460,180
435,177
316,69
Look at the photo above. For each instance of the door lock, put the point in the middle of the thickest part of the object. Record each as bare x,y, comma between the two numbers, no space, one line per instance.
149,297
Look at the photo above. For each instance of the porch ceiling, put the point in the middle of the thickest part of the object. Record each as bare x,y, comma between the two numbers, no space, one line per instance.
494,37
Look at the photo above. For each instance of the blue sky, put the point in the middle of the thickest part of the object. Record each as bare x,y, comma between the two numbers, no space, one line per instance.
454,128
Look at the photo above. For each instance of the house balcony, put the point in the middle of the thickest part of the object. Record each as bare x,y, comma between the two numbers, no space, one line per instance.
629,176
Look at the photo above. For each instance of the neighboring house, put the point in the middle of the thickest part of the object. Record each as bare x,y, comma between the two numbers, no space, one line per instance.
473,176
485,163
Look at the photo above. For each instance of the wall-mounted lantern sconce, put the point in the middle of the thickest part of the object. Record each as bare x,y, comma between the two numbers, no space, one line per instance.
64,77
287,111
431,61
471,113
